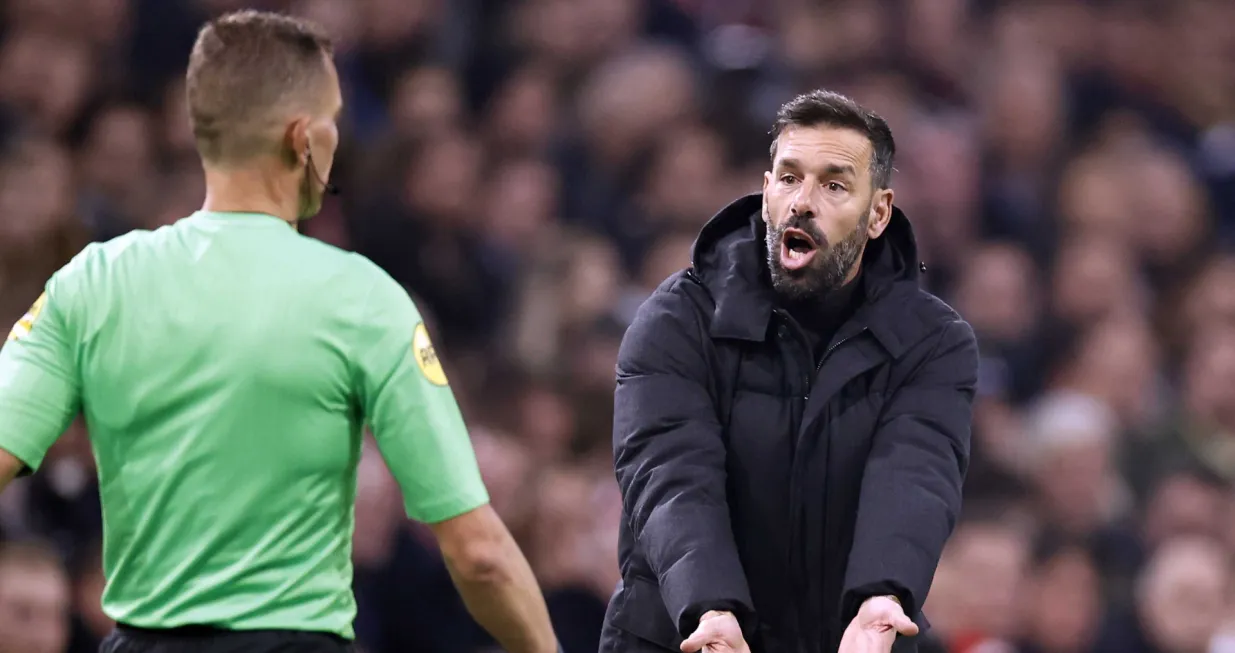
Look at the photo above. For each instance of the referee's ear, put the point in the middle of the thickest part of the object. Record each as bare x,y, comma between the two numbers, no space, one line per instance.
296,141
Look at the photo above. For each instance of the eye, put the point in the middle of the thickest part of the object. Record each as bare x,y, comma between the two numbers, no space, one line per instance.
836,187
788,179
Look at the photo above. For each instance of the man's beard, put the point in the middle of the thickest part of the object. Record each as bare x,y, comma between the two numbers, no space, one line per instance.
830,268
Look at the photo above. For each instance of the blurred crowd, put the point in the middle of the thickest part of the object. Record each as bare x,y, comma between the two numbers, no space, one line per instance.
531,169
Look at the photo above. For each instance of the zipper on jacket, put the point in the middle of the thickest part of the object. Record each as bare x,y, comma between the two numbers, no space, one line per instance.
835,346
798,463
797,579
800,336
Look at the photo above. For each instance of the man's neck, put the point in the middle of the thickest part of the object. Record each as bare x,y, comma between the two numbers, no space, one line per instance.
821,316
250,190
827,306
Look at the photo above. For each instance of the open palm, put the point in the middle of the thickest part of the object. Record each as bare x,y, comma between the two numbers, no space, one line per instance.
876,626
858,639
718,632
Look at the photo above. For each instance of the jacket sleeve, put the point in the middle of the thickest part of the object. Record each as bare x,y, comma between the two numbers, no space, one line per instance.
670,462
911,489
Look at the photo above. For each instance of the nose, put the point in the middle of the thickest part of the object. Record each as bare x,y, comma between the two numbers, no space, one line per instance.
801,205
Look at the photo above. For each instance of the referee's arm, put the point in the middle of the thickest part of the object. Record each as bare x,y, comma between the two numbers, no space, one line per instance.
422,437
39,390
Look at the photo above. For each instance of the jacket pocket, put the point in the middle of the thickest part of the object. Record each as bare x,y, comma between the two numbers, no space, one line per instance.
641,612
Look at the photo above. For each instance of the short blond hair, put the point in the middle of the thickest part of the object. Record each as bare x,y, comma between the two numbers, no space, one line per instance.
246,66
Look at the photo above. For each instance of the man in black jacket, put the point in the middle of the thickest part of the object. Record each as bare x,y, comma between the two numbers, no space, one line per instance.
792,415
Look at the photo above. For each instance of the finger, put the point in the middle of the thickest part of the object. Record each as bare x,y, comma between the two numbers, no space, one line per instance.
905,626
696,640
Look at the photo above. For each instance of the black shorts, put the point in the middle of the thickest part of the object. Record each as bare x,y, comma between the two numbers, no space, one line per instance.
205,639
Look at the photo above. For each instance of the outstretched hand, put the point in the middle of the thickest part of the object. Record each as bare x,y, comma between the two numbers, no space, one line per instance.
874,629
718,632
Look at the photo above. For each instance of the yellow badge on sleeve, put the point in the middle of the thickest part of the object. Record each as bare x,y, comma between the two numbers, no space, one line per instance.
426,356
26,323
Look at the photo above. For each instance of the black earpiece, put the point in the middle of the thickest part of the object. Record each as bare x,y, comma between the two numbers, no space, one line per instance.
327,187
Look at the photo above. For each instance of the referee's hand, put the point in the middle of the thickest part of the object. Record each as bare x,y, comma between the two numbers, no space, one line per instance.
718,632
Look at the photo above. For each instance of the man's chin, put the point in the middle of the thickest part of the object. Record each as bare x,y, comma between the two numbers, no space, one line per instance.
794,284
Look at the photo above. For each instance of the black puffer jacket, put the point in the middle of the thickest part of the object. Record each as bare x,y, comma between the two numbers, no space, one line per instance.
756,481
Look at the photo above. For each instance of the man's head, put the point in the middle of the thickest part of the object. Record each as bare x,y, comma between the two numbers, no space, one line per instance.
1182,593
264,95
35,600
827,192
984,564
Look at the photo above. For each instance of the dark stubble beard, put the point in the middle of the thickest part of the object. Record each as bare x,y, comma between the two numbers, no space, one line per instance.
826,272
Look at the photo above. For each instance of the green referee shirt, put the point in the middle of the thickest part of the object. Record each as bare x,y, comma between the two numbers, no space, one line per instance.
226,366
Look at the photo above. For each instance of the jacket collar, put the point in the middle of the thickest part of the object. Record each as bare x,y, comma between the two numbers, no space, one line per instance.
729,259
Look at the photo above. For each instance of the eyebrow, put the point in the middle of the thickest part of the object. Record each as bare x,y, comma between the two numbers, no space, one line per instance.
832,170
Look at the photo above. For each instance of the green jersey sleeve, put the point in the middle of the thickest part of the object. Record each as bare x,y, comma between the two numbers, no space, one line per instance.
39,389
412,411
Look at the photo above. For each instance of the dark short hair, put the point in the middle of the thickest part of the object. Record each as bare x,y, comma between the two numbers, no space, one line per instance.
31,554
245,66
827,108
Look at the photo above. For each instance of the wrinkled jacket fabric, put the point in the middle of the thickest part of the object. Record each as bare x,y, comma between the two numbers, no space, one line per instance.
758,480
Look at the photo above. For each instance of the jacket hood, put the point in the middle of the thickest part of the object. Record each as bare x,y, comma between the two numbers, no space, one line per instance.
729,258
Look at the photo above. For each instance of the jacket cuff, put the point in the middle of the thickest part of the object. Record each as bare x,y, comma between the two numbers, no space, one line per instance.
689,620
704,578
854,597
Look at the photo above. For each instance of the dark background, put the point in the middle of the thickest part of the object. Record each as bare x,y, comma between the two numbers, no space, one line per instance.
531,169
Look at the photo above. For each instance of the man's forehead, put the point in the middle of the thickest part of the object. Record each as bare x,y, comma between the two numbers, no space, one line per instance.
823,145
334,86
33,583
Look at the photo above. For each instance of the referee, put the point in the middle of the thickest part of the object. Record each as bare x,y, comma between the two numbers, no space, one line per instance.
226,367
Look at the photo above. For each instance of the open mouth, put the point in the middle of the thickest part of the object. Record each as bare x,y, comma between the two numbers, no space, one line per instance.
797,249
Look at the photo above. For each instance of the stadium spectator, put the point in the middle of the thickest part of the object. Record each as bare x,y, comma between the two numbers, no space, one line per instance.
35,599
530,169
